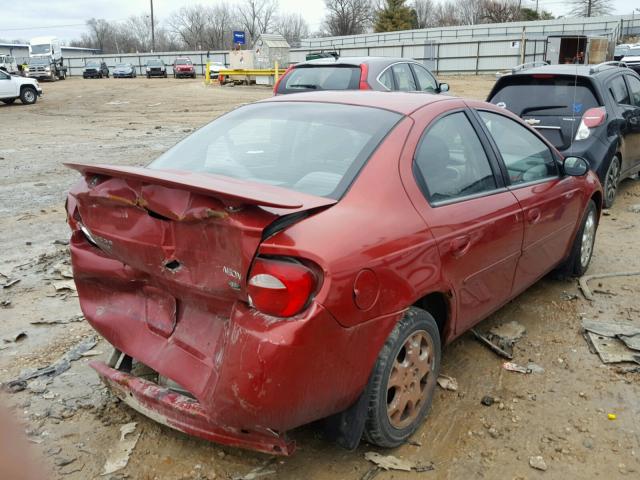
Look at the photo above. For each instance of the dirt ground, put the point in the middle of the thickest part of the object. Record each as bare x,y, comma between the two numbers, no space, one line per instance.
73,424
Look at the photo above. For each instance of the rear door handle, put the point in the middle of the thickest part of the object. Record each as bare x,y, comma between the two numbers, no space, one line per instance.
460,245
533,215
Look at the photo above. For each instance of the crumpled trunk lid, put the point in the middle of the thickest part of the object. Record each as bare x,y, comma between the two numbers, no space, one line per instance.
160,258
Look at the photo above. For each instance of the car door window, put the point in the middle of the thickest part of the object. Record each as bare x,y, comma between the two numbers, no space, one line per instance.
634,88
527,158
450,161
619,91
386,78
426,82
404,78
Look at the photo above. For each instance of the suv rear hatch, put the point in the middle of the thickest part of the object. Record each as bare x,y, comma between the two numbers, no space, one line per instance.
553,104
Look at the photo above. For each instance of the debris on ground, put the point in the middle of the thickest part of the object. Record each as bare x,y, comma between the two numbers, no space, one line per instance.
5,303
612,416
389,462
65,285
16,337
514,367
495,348
583,281
119,457
535,368
538,463
56,368
258,472
614,342
10,283
487,401
447,383
62,321
635,208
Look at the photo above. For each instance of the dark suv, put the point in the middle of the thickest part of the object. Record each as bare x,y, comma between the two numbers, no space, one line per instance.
156,68
95,69
591,111
359,73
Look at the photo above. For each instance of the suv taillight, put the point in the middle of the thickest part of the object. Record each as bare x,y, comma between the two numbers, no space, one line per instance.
364,72
275,87
280,288
592,118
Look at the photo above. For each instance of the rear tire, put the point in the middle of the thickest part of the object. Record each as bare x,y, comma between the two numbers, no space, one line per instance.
28,95
403,380
582,250
611,180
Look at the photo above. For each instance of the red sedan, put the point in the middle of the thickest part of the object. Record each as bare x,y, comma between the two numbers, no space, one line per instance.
307,257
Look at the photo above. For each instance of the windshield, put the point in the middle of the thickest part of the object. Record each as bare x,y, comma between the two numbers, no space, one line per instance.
40,49
321,78
123,65
633,52
546,95
182,61
314,148
154,63
93,64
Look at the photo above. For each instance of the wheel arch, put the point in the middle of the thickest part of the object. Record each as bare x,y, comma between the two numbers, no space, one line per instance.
439,305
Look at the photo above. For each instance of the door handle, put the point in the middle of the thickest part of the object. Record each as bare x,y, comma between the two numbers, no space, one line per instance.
533,215
460,245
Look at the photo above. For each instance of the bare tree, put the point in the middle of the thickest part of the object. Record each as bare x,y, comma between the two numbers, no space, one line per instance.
293,27
446,14
347,17
470,12
425,13
100,32
257,16
219,32
590,8
500,11
189,24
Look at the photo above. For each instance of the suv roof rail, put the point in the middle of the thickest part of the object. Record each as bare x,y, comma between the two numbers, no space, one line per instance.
613,63
525,66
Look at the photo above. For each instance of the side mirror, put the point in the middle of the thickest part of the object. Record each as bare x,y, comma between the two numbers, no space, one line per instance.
575,166
443,87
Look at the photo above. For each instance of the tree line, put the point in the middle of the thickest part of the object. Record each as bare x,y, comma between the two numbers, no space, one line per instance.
210,27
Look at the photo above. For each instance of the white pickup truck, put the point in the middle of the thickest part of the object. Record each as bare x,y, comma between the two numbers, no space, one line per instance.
13,87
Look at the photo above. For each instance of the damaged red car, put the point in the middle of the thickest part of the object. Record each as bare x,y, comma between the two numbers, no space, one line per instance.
306,257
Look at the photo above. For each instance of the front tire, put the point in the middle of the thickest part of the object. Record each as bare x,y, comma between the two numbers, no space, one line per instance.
611,180
582,250
28,96
403,381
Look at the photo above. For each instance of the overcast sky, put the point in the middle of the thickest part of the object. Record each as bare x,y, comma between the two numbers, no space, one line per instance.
65,19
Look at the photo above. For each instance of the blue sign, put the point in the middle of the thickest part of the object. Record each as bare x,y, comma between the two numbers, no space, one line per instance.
238,38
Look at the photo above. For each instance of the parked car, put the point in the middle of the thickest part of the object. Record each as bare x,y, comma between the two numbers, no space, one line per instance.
13,87
214,69
183,67
620,50
95,69
359,73
592,111
299,260
632,58
156,68
124,70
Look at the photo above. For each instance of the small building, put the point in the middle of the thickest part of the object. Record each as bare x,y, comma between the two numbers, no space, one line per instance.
270,48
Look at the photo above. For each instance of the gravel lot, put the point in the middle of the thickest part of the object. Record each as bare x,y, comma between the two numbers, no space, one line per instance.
560,414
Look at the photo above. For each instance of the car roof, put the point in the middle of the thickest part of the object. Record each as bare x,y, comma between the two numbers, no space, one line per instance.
404,103
355,61
570,69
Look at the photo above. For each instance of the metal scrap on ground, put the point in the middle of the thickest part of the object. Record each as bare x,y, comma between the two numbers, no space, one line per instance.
501,338
583,281
614,342
119,457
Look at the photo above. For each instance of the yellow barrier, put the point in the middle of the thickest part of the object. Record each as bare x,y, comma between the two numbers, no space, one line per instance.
253,73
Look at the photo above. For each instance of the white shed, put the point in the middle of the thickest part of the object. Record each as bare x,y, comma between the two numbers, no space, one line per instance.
270,48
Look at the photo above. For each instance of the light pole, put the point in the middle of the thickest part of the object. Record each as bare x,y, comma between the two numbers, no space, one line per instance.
153,33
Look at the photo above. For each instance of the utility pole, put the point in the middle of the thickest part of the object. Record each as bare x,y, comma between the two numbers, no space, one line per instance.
589,8
153,33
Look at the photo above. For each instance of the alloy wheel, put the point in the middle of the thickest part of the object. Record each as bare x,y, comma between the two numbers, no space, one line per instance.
611,182
588,238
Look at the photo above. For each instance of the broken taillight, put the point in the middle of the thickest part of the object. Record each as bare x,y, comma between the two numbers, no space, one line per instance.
280,288
592,118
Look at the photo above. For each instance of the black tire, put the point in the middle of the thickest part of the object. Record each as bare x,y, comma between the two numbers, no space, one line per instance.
379,429
8,101
578,261
165,74
28,95
611,181
149,76
193,76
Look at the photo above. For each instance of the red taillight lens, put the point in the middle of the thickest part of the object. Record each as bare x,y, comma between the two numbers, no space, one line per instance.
594,117
364,72
275,87
280,288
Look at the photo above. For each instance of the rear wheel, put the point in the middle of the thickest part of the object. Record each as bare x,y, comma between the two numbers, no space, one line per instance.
403,380
611,180
28,96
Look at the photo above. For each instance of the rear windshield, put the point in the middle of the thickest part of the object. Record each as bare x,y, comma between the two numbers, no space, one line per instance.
319,77
314,148
558,95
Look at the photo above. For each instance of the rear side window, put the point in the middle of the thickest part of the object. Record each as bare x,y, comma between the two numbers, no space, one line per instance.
304,79
314,148
634,87
404,78
527,158
450,161
386,79
540,95
619,92
426,82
